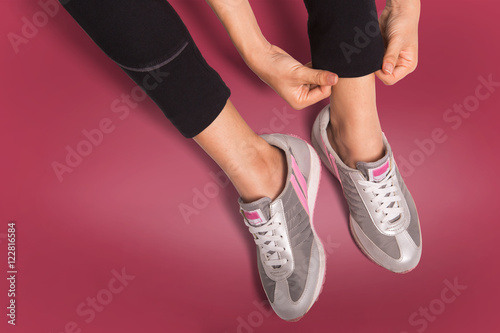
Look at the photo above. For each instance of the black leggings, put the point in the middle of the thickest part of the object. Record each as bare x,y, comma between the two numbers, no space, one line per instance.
149,41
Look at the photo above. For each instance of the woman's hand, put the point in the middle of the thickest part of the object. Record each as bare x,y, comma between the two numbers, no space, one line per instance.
298,84
399,27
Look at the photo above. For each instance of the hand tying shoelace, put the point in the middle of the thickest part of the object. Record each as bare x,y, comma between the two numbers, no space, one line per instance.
386,197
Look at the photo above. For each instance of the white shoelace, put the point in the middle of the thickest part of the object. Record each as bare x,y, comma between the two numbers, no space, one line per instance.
386,197
264,236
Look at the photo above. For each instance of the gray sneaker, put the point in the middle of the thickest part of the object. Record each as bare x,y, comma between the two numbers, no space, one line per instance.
291,258
383,217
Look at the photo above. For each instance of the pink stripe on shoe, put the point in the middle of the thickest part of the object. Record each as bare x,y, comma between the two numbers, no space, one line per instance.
252,215
255,217
381,169
297,189
299,184
299,176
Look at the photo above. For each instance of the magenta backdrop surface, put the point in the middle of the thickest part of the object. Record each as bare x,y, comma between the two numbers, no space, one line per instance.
117,211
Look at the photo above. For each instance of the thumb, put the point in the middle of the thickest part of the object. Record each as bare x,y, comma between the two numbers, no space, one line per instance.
317,77
391,56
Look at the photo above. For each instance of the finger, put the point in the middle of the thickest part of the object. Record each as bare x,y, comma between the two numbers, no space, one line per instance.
311,96
387,79
400,72
318,77
391,56
319,93
406,64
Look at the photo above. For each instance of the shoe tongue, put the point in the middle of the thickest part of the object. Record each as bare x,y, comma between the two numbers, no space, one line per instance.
256,213
375,171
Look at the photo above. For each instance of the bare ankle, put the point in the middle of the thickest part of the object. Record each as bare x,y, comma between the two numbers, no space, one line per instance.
354,129
356,145
264,177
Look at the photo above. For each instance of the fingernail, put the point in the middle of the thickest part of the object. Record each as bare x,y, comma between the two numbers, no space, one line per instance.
388,68
331,79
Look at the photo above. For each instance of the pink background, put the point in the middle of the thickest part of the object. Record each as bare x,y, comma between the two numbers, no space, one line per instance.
120,207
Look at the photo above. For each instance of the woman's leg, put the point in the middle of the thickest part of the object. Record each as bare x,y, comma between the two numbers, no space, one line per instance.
277,176
149,41
354,130
345,38
255,168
